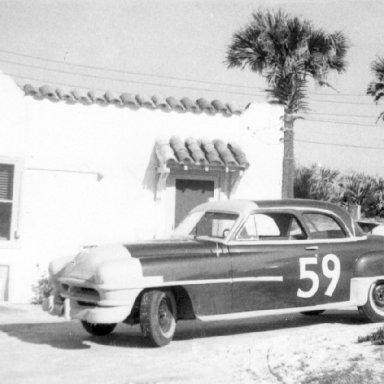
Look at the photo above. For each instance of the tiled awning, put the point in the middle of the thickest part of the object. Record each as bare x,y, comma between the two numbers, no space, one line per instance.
201,154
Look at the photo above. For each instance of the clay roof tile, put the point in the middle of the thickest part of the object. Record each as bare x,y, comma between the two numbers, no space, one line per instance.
175,104
206,106
66,95
30,90
225,153
113,98
161,103
48,92
97,97
132,101
190,105
81,97
200,153
145,102
129,100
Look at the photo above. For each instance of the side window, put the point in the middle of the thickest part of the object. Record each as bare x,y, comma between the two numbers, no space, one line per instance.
322,226
215,224
248,232
295,231
272,226
7,201
266,226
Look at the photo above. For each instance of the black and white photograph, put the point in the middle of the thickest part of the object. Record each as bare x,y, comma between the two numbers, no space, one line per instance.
191,191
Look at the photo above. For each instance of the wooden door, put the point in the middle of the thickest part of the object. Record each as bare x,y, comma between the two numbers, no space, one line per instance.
189,194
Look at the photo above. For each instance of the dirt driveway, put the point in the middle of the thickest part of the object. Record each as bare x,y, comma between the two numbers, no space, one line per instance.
37,348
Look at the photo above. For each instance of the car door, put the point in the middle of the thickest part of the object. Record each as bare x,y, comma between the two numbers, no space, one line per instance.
325,273
201,265
265,255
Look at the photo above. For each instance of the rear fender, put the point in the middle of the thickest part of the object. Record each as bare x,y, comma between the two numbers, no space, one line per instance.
368,269
369,265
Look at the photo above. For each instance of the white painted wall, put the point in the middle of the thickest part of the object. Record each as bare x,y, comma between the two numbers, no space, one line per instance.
63,147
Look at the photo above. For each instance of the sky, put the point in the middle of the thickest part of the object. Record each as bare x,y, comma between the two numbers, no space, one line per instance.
177,48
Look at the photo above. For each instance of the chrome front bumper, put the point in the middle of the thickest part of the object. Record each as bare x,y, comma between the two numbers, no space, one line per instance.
57,307
91,305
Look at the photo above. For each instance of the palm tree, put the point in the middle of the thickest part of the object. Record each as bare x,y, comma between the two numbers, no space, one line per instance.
287,51
376,88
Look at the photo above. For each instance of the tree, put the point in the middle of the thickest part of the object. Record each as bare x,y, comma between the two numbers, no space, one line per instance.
376,88
287,51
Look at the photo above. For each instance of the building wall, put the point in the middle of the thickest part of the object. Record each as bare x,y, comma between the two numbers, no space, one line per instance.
88,173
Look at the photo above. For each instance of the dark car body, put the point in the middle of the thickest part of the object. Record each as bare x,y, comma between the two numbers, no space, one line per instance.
238,259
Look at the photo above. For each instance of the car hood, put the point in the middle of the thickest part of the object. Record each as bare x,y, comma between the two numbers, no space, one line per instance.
168,248
93,261
86,263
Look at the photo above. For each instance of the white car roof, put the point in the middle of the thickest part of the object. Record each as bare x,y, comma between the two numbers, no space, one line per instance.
233,206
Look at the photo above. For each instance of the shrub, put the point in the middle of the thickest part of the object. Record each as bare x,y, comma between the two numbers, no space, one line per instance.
376,337
357,188
317,183
41,290
320,183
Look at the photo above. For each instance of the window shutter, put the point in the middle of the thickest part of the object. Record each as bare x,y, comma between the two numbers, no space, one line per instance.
6,181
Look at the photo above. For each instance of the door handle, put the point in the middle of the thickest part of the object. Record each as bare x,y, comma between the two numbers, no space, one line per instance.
312,248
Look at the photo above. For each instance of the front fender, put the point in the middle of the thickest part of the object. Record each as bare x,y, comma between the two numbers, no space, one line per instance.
369,265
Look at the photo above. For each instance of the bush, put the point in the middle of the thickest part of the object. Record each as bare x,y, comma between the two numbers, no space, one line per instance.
41,290
317,183
320,183
376,337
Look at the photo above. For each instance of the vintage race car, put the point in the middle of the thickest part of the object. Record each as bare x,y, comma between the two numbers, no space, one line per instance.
226,260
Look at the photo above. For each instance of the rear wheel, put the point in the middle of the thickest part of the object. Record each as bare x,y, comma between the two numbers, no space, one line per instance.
158,316
373,309
98,329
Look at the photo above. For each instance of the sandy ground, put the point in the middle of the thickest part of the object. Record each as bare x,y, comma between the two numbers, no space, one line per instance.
38,348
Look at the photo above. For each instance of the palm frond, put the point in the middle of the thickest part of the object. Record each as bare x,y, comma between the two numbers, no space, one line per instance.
377,67
285,50
339,48
380,117
376,87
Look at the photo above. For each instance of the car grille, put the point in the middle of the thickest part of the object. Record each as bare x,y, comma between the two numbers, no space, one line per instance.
81,293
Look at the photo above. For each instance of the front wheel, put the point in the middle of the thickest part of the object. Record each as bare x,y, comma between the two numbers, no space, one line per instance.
373,310
158,317
98,329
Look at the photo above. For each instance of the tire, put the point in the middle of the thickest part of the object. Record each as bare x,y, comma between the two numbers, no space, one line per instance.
98,329
158,316
373,310
313,313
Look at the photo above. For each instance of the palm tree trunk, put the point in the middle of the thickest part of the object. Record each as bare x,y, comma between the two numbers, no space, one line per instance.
288,158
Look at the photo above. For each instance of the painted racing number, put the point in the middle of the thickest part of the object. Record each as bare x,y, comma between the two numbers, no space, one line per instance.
331,269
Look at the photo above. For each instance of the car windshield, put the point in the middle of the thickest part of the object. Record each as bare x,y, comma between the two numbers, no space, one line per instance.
198,224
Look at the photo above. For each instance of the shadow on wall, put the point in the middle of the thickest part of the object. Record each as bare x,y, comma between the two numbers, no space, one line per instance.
149,180
4,280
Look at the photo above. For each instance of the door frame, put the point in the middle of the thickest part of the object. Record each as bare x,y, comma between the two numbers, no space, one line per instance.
171,190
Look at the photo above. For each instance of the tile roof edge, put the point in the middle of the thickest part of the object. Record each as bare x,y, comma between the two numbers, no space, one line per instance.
132,101
200,153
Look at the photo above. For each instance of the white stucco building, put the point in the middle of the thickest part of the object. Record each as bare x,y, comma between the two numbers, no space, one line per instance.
81,168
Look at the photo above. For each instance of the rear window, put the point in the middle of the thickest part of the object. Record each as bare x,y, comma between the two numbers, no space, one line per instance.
322,226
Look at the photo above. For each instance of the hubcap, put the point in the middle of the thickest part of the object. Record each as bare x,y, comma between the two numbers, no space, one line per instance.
378,295
165,315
